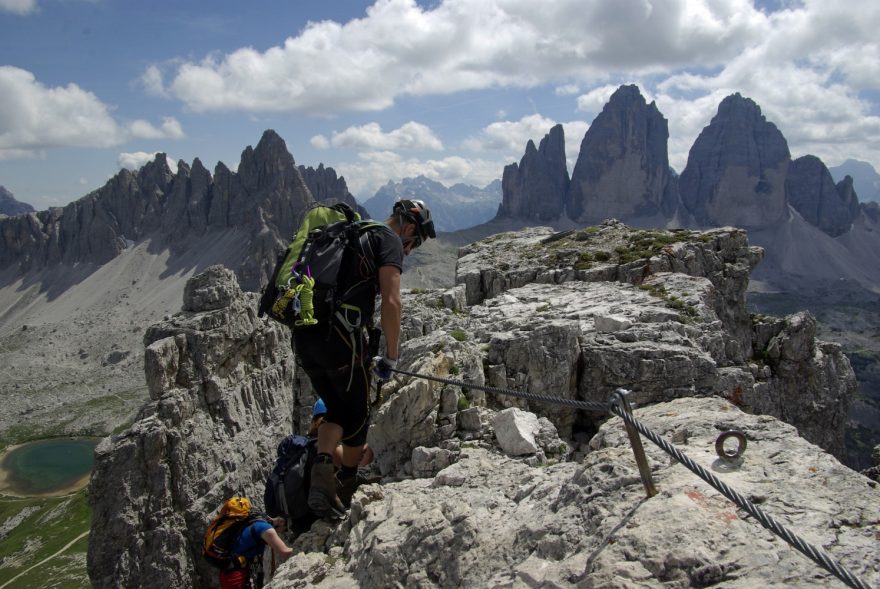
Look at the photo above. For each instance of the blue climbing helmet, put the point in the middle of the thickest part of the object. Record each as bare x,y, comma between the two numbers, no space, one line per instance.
319,408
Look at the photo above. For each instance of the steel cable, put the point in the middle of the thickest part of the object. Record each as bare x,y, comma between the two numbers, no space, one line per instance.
817,555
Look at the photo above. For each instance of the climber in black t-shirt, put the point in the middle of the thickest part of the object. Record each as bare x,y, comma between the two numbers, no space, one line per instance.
338,365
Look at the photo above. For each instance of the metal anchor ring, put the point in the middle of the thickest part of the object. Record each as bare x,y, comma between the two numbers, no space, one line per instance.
740,446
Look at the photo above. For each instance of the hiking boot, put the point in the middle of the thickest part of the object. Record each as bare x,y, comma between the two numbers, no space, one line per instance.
322,495
345,487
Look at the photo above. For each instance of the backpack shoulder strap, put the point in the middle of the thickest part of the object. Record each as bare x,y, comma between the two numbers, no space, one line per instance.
350,214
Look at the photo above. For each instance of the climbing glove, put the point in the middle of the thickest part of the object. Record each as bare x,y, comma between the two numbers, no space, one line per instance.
382,367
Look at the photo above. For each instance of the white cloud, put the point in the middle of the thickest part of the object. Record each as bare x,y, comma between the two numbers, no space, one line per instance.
136,160
805,75
34,117
400,48
320,142
374,170
594,100
410,136
798,61
566,90
152,81
511,137
18,6
170,129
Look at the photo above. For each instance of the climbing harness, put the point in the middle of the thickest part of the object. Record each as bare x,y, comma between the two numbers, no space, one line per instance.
619,405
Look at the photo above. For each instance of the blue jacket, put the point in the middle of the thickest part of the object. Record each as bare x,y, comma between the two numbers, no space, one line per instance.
249,543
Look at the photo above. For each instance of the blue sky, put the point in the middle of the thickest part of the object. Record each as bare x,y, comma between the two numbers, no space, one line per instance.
451,89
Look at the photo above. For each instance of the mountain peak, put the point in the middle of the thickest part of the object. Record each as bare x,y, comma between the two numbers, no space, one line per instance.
736,169
10,206
622,170
535,189
271,141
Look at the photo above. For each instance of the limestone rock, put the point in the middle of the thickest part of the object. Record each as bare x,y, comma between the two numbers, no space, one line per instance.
622,170
737,168
492,521
326,186
873,472
535,189
545,322
220,384
215,288
516,430
812,383
427,462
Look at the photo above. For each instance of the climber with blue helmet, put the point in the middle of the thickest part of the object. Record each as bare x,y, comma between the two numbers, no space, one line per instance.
319,408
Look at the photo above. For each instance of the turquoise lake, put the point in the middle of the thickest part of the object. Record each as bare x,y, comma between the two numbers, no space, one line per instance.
48,466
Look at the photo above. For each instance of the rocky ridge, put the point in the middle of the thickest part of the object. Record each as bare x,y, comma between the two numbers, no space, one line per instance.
220,398
10,206
865,178
536,188
495,521
739,173
261,202
326,186
453,208
463,504
811,191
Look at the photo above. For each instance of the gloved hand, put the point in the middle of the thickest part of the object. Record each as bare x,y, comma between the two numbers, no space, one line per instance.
382,367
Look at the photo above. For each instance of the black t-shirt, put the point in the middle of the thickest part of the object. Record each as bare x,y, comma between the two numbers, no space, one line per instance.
380,247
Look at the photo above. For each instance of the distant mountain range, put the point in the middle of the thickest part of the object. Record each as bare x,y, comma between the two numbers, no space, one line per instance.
458,207
739,173
11,207
866,180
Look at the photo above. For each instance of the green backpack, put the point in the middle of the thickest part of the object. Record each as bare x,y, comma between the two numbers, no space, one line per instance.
305,286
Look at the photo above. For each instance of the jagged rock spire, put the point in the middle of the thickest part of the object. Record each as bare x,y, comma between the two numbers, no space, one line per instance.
811,191
622,170
535,189
736,169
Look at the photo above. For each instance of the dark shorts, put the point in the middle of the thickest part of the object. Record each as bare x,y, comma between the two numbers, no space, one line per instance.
341,378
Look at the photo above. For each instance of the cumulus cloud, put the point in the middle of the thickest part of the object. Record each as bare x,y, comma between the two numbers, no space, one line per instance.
566,90
374,169
18,6
136,160
593,101
151,79
814,100
410,136
688,53
320,142
511,137
35,117
170,129
400,48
